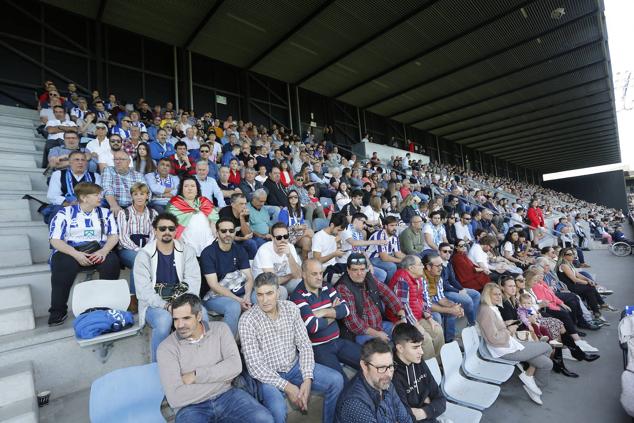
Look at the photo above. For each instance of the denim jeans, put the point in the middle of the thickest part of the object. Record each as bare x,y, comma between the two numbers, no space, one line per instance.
387,266
448,323
126,257
161,322
325,380
250,246
337,351
387,328
380,274
235,405
470,301
273,212
228,307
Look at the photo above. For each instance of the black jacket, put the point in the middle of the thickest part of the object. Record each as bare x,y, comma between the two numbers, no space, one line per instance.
413,384
277,196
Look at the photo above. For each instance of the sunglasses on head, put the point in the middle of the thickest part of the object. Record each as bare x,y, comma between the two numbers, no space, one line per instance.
360,260
281,237
166,228
224,231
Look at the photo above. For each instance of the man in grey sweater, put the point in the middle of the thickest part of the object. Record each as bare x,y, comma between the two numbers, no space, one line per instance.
197,364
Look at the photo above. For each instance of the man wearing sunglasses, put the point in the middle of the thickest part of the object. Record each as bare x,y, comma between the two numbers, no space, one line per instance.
228,274
463,226
468,298
170,264
278,256
371,396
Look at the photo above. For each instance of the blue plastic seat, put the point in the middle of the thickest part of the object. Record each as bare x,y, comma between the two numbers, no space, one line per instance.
133,394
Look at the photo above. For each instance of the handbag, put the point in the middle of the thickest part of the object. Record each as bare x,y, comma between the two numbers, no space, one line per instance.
170,291
523,335
88,247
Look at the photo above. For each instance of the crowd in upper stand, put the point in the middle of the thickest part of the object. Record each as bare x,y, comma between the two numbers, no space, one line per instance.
310,259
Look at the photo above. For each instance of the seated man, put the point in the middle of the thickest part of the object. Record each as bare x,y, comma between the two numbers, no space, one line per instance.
353,241
371,396
208,186
81,235
273,335
275,190
226,268
408,285
58,157
444,311
182,163
249,184
421,394
163,269
56,128
278,256
106,158
159,147
412,239
238,213
434,232
326,248
162,185
367,299
468,298
118,180
197,381
259,217
354,205
389,255
226,187
321,306
61,187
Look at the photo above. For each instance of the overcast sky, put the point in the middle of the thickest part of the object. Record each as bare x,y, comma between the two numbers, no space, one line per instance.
619,15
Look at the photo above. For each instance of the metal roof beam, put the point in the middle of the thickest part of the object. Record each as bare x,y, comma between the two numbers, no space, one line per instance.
589,110
484,59
550,106
511,91
569,152
494,141
100,10
513,147
429,50
366,41
322,8
210,13
573,162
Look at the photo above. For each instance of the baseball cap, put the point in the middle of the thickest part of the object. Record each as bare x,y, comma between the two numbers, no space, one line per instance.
101,125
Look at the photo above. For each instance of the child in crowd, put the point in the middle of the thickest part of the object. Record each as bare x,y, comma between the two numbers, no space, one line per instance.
528,316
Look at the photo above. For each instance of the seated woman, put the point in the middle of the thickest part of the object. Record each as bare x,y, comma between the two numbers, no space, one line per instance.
196,215
82,235
293,216
409,208
343,197
135,231
580,284
373,214
510,249
500,339
286,174
552,306
469,274
143,162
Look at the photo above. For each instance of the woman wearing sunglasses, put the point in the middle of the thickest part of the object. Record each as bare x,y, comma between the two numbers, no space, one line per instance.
293,216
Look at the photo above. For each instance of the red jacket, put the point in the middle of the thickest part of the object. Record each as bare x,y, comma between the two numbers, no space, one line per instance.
466,273
410,293
535,215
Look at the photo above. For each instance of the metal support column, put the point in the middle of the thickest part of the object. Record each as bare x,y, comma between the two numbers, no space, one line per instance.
438,148
191,83
176,99
299,115
495,166
288,102
359,124
462,157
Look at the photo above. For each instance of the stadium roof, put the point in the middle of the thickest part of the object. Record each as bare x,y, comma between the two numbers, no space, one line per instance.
516,79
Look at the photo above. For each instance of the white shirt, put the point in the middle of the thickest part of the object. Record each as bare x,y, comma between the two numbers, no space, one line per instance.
73,225
57,122
192,143
325,244
54,194
267,258
437,234
108,159
478,256
371,214
462,231
95,147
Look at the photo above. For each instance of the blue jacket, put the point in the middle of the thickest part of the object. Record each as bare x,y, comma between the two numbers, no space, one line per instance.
450,282
360,403
157,151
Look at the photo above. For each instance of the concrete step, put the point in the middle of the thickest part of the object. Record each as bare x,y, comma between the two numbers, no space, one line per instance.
35,174
16,131
17,181
20,160
60,365
38,237
19,112
15,250
18,122
18,402
8,144
15,211
16,311
35,276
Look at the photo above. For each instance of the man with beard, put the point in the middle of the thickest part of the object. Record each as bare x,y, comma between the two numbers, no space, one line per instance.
370,396
164,269
386,256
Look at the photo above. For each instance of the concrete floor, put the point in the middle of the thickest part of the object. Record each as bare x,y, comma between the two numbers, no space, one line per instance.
593,397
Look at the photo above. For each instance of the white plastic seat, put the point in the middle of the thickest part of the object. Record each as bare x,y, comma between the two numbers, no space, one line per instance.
458,388
474,367
454,412
114,294
483,349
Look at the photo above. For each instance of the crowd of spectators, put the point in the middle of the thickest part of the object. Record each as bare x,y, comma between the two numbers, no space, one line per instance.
309,258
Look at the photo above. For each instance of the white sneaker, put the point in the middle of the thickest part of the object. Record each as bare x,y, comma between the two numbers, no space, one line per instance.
533,396
566,355
555,343
585,347
529,382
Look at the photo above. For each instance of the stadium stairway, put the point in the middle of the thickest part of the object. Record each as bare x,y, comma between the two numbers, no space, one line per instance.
35,357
